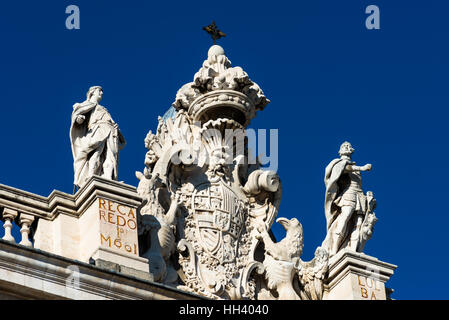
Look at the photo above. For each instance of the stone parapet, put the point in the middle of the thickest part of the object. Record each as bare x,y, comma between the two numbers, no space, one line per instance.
28,273
98,222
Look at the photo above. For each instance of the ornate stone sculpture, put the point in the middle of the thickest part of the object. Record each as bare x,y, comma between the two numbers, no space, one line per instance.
161,228
221,195
349,212
282,258
366,227
311,276
289,278
207,209
95,138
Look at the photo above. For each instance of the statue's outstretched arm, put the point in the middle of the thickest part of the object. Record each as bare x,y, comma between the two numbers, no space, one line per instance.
366,167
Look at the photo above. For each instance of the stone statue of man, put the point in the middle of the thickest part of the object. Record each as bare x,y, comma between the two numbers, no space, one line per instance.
344,199
96,139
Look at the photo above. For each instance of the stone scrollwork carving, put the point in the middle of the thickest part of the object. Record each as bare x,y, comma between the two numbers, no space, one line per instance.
194,168
207,208
217,82
264,191
185,96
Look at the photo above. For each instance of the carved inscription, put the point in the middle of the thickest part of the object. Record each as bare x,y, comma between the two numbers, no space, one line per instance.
118,226
370,288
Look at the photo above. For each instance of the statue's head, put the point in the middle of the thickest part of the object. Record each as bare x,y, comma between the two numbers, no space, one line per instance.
346,149
95,92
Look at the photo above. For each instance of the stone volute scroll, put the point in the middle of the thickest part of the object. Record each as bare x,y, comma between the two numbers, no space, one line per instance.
95,138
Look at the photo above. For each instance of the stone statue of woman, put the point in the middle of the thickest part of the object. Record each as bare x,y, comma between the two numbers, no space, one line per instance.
95,138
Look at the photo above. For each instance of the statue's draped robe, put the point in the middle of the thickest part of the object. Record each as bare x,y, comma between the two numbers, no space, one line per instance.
84,140
332,174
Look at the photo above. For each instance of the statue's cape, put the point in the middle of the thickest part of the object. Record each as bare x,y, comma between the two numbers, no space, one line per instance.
83,145
332,173
77,131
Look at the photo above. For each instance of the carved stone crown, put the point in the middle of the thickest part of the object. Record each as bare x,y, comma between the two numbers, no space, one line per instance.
219,90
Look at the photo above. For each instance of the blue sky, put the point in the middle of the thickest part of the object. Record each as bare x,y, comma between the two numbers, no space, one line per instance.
328,77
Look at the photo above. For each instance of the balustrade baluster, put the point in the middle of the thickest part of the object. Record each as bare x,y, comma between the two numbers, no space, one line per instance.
8,217
25,221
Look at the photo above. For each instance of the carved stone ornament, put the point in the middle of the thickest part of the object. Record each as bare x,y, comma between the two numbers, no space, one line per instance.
207,210
220,90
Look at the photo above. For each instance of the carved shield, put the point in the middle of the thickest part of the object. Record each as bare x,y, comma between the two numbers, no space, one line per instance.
218,213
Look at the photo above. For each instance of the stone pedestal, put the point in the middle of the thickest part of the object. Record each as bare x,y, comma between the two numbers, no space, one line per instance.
102,231
109,235
357,276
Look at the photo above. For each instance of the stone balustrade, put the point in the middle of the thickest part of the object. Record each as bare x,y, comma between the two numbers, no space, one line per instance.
25,209
82,226
24,220
65,237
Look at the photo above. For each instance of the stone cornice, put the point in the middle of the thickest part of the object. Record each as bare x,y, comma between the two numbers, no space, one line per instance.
347,261
35,274
63,203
